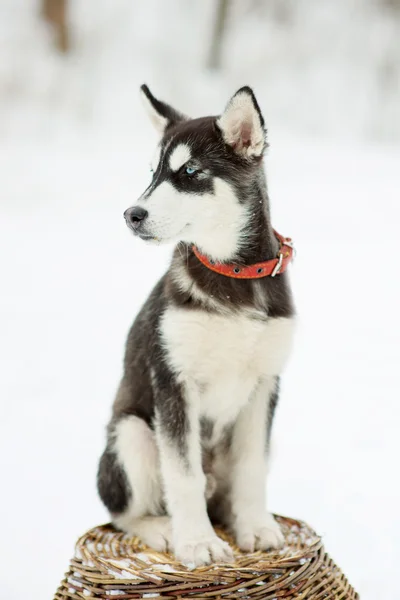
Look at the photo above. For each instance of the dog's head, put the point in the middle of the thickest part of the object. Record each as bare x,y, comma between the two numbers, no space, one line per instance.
204,172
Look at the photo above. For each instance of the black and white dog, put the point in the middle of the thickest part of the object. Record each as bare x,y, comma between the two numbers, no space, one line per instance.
189,434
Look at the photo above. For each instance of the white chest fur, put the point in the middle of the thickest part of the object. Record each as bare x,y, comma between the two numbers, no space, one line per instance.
226,355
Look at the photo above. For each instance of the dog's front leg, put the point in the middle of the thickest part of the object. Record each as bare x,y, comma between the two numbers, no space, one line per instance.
178,438
253,526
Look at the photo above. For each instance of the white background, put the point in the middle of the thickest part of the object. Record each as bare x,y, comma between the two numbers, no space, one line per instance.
74,152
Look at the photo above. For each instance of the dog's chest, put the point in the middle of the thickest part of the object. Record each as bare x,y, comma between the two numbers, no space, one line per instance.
225,355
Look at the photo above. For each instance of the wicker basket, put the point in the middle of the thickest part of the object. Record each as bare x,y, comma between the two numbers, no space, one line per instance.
109,564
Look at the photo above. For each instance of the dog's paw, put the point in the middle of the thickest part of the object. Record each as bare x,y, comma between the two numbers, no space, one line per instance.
155,532
203,552
263,533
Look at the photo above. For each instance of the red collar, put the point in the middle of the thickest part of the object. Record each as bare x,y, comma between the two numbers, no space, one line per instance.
271,267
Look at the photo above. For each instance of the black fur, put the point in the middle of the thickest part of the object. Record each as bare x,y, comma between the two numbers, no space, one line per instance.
112,483
148,382
164,109
273,403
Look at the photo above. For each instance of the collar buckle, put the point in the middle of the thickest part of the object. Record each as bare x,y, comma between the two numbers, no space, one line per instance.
278,265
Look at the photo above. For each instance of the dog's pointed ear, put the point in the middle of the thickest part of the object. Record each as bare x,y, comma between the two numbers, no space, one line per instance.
161,114
242,124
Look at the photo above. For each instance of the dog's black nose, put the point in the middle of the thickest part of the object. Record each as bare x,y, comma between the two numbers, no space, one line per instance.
135,215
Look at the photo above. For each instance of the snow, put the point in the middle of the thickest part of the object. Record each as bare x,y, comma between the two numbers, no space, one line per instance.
74,154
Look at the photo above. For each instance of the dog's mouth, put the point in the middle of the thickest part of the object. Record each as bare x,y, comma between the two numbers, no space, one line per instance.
151,238
146,237
141,233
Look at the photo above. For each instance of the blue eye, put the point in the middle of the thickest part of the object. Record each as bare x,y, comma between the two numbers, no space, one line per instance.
190,170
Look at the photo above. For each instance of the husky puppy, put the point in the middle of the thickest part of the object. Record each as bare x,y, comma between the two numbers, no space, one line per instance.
188,439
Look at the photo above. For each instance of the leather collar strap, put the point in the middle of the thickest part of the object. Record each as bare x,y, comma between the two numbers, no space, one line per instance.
267,268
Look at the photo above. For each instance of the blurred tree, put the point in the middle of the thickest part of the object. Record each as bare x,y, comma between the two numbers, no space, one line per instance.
394,4
55,12
214,59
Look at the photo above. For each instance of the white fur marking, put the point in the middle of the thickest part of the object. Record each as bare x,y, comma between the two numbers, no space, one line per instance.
216,223
179,156
229,354
233,351
136,451
194,538
254,527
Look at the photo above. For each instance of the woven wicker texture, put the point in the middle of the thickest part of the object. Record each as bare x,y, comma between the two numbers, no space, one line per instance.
109,564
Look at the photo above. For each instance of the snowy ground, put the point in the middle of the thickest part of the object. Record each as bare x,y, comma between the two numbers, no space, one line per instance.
72,279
